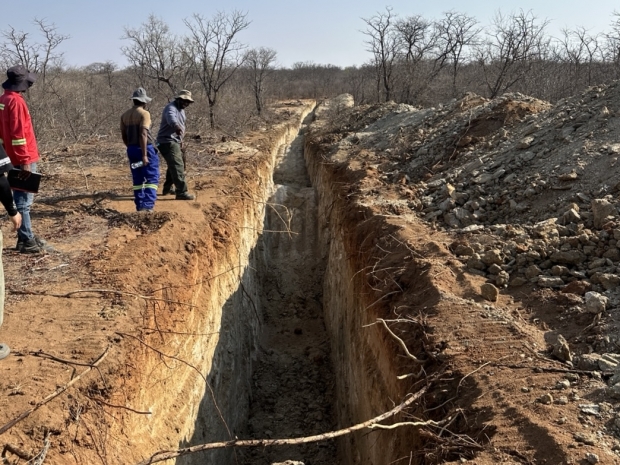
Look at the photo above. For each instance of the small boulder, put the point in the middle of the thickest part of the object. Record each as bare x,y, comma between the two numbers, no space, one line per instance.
489,292
595,302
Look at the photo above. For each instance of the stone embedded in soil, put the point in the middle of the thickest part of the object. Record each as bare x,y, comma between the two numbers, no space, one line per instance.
546,399
559,346
585,438
595,302
489,292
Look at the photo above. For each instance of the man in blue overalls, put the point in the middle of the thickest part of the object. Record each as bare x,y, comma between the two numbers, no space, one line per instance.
143,159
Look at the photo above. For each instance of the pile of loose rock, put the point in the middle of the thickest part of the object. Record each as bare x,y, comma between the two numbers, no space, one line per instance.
529,188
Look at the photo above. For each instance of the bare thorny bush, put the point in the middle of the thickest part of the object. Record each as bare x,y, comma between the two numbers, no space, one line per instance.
75,106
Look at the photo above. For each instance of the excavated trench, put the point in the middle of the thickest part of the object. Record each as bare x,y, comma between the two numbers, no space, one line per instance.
294,355
292,384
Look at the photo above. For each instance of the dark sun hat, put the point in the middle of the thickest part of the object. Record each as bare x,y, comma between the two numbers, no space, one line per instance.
19,79
140,95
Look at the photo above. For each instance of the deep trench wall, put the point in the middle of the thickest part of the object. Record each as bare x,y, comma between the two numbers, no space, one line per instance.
363,357
186,410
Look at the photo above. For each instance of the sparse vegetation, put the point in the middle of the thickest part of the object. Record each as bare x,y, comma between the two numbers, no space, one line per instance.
412,59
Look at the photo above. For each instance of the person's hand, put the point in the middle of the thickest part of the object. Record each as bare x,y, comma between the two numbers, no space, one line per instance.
145,160
25,172
16,220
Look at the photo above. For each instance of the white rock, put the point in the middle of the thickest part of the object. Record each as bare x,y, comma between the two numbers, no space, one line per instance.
595,302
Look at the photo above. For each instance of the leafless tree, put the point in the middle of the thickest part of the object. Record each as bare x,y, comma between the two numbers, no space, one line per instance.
155,52
384,43
515,42
106,68
38,57
611,47
260,63
455,33
215,52
581,51
416,39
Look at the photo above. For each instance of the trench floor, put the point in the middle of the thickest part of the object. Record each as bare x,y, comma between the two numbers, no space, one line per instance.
293,385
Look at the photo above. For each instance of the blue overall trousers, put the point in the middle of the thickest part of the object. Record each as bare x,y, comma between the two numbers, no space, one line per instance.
145,178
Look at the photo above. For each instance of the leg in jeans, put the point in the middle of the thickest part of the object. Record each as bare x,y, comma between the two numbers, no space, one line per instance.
174,159
23,201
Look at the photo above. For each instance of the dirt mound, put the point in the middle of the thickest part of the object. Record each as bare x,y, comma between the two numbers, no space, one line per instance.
524,195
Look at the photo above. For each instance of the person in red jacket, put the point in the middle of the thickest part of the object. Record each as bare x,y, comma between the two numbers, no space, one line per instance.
20,144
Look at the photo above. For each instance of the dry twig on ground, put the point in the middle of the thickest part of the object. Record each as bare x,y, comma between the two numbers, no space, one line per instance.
54,394
166,455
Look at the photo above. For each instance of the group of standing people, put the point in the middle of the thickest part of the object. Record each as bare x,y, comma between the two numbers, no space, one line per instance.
18,150
142,149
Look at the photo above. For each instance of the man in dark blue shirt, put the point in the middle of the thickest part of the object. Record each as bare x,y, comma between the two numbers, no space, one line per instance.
170,144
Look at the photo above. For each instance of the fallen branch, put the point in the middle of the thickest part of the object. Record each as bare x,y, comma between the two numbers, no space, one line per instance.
15,451
40,458
407,423
70,294
166,455
54,394
42,354
556,370
480,368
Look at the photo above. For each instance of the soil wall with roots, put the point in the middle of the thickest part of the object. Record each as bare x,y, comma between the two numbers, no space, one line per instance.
365,358
190,408
249,313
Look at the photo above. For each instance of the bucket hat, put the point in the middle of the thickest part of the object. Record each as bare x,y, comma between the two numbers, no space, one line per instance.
19,78
184,95
140,95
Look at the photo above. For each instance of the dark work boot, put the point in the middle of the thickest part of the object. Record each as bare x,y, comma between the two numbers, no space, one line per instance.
185,196
30,246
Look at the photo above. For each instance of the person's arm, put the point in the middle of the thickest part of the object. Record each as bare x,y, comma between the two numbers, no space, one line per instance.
145,124
6,198
144,135
17,135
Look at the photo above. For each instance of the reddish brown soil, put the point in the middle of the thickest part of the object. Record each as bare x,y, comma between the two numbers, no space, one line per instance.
108,289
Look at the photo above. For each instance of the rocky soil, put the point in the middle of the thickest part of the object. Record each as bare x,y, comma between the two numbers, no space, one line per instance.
527,195
488,233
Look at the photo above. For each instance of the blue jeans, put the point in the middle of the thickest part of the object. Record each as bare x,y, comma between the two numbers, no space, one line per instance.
23,201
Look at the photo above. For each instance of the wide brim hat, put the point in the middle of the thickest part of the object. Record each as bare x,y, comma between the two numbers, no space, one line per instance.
184,95
19,79
140,95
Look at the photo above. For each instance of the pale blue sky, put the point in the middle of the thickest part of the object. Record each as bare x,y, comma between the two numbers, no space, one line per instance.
319,31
